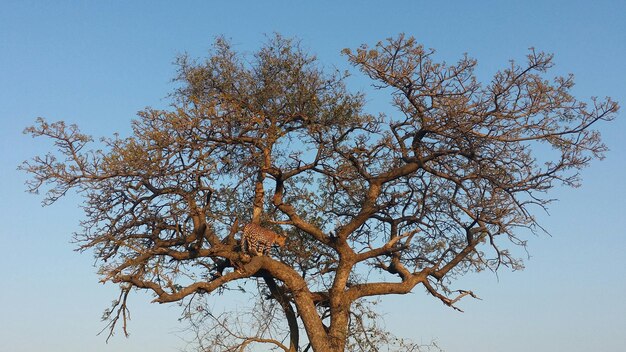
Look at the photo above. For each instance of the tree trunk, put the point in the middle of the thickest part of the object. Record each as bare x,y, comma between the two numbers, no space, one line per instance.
259,194
292,320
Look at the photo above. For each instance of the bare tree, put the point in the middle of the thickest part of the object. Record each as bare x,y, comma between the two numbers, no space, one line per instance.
372,204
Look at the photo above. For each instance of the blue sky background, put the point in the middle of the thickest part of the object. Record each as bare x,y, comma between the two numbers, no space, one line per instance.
96,63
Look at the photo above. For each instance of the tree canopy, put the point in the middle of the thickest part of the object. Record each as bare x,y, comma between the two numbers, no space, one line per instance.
372,204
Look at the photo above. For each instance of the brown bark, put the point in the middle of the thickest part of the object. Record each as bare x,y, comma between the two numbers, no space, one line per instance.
280,296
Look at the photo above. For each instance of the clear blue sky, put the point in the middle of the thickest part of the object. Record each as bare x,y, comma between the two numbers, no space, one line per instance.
96,63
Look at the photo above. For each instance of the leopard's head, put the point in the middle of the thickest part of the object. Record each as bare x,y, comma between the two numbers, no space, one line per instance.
280,240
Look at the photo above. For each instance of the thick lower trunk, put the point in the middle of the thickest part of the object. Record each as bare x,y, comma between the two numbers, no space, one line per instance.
292,320
329,339
339,328
313,326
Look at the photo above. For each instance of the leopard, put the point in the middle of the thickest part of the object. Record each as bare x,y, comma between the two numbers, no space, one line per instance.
258,240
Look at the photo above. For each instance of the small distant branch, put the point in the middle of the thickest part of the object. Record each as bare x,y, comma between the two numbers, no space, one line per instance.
446,300
121,311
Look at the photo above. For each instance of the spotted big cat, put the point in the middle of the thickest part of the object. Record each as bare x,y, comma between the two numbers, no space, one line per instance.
257,240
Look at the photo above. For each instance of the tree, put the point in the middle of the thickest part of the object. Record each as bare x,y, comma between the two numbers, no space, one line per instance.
372,205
